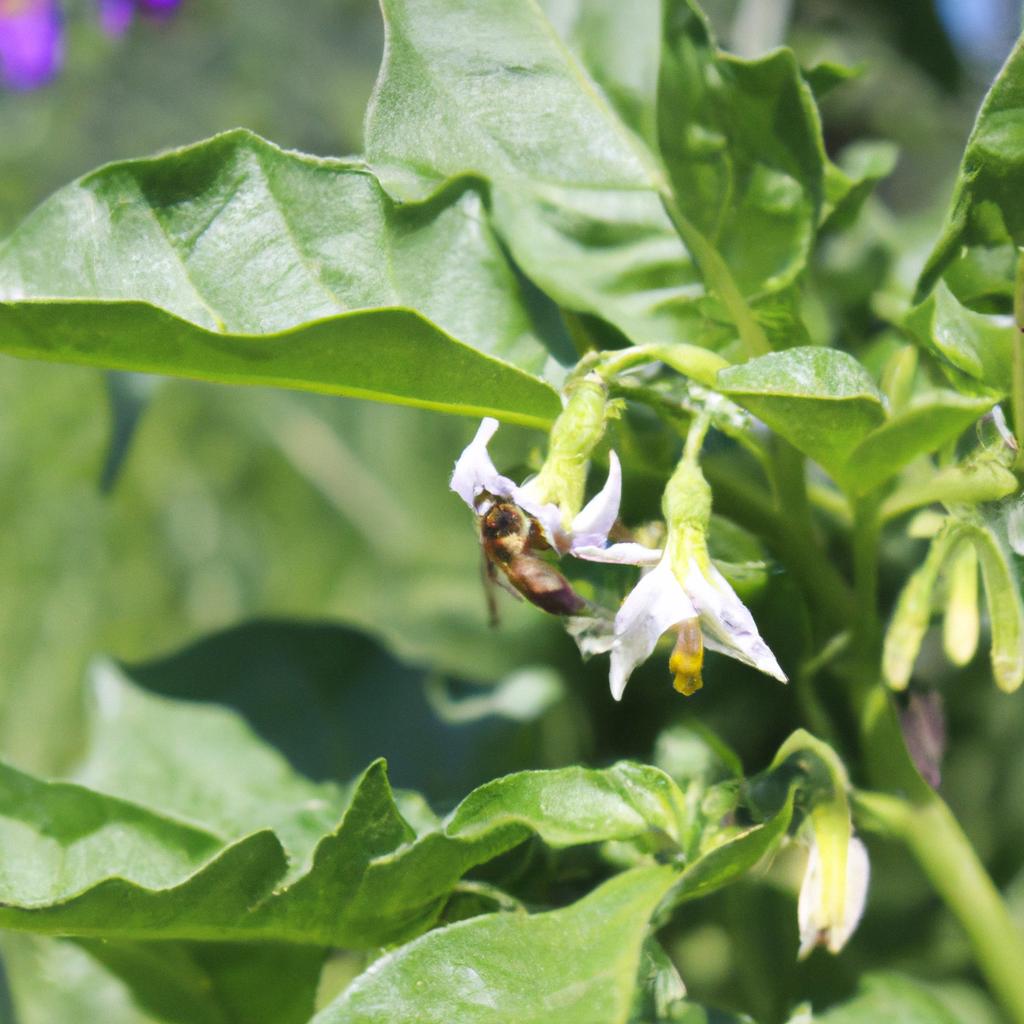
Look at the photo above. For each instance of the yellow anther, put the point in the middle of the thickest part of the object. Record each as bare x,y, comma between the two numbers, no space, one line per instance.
687,658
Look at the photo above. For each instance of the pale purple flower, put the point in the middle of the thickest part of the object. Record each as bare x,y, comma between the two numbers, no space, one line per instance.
475,477
31,43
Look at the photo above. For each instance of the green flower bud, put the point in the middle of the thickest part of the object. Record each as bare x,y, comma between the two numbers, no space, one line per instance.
913,612
961,625
1005,609
575,434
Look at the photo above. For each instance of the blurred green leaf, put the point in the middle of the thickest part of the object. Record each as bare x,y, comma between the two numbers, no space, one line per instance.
572,965
930,421
54,981
742,143
820,400
893,998
848,183
215,983
985,209
57,981
234,260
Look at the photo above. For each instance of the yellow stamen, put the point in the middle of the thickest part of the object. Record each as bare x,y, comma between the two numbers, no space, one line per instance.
687,658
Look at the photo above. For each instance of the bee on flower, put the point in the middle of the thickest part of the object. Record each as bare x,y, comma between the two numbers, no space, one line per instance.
682,591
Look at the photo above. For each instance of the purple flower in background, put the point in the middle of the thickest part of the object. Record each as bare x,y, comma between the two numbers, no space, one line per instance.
116,15
31,42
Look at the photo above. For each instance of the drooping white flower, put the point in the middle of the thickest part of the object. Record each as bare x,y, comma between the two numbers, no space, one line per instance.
828,915
477,481
679,593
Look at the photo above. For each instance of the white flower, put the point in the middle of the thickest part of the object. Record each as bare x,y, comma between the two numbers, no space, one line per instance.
662,601
475,477
828,917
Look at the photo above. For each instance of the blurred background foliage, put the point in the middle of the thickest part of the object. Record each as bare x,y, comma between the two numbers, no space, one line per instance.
301,558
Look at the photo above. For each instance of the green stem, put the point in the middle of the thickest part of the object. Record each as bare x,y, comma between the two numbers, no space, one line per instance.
718,278
867,528
828,594
1017,390
933,835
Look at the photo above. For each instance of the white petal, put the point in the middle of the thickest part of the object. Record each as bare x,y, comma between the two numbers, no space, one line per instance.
858,873
808,904
598,516
594,634
815,928
656,603
728,626
620,554
474,472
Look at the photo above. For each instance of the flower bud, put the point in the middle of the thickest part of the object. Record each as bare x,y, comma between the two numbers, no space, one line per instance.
961,625
913,612
575,434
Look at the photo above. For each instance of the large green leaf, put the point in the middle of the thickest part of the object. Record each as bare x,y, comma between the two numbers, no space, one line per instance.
743,146
819,399
260,852
563,967
986,210
233,260
487,88
620,46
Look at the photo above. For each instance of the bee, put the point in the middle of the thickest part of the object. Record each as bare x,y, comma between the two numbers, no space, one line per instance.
510,539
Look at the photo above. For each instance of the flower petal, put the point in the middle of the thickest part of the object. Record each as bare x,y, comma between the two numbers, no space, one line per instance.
474,472
619,554
728,626
592,524
656,603
815,928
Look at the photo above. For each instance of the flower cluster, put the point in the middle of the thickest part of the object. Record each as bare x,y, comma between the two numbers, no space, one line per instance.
681,591
32,35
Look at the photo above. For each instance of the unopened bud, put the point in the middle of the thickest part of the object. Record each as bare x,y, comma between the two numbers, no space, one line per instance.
913,612
961,625
574,436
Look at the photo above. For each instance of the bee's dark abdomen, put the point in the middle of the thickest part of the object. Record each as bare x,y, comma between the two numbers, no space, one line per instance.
545,586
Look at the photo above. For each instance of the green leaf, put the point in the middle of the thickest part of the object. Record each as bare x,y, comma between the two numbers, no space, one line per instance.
576,964
893,998
985,209
233,260
734,856
259,852
861,167
930,421
742,143
978,344
488,89
620,46
54,981
827,75
66,982
819,399
215,983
